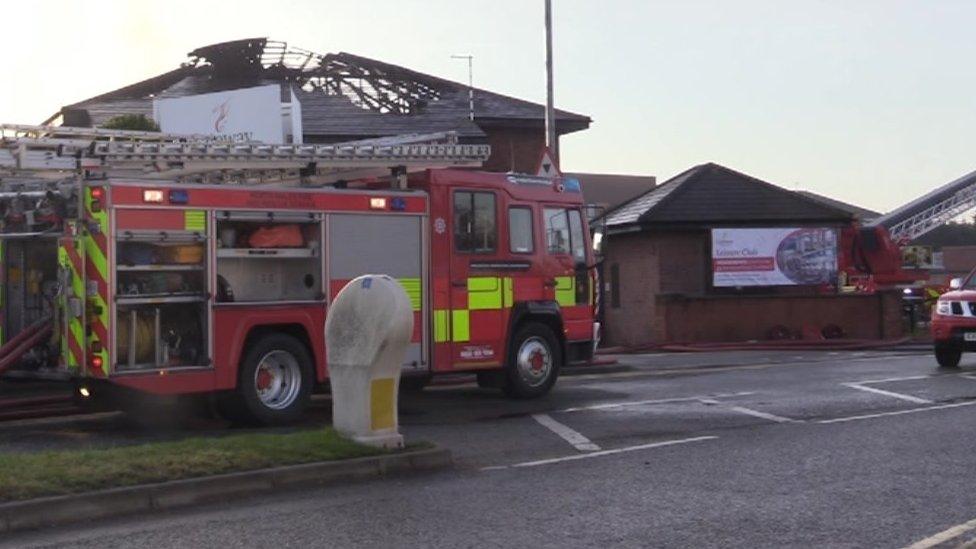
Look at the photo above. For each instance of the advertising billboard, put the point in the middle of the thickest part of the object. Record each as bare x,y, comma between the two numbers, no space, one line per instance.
247,114
774,257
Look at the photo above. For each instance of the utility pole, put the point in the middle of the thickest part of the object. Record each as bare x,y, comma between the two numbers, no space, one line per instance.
550,110
470,59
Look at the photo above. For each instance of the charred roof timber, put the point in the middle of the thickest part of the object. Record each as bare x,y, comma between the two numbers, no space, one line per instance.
343,96
368,84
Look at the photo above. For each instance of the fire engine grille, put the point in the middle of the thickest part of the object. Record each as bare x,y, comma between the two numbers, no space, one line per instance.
956,308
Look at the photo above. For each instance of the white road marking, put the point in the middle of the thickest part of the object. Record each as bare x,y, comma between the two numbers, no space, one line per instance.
892,379
899,412
751,412
639,372
612,405
944,536
574,438
875,390
601,453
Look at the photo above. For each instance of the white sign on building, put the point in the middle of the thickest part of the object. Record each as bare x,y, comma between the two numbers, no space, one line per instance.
774,257
247,114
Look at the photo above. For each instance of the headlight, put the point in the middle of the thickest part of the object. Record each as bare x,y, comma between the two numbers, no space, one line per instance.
943,307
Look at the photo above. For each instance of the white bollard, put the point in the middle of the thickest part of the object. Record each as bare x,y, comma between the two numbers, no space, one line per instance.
367,332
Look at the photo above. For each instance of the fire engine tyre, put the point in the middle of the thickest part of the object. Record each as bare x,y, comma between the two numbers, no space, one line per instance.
534,361
275,382
414,384
948,356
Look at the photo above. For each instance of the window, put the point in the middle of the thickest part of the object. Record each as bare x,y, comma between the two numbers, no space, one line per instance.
474,222
576,232
520,239
557,231
564,233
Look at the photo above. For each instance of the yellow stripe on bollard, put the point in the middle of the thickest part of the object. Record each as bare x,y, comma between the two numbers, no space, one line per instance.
382,415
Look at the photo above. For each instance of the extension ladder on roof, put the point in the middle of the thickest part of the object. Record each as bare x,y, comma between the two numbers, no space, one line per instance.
54,150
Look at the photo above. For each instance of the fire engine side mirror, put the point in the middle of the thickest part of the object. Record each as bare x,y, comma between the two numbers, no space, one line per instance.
955,284
598,227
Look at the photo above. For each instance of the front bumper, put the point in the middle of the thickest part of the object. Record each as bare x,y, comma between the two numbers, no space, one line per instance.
948,330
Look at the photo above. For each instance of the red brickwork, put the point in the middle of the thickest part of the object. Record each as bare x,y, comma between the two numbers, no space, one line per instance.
664,297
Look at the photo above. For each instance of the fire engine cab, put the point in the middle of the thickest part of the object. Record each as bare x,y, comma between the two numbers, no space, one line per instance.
144,262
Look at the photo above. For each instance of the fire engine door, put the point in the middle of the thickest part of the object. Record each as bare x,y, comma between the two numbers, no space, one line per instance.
481,288
391,244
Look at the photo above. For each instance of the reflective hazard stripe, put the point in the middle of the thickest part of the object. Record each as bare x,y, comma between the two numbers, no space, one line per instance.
96,255
566,291
441,327
73,335
460,327
414,290
195,220
484,293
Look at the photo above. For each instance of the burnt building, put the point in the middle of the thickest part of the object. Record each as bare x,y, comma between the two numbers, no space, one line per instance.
345,97
665,283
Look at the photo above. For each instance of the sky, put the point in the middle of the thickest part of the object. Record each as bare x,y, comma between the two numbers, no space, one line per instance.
867,101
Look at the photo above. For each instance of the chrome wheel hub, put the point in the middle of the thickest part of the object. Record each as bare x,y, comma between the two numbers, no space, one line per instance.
534,361
278,380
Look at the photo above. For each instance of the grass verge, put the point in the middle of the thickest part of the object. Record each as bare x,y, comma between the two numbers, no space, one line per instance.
31,475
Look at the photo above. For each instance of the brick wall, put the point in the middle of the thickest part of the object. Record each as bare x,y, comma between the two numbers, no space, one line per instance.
744,318
514,149
664,297
959,260
635,259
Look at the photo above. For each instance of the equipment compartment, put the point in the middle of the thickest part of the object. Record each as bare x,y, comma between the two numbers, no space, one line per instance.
269,257
161,298
165,335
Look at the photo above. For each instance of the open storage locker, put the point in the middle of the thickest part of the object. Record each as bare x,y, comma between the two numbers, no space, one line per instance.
161,299
269,257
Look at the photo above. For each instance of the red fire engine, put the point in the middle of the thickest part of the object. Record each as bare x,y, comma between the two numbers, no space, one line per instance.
152,263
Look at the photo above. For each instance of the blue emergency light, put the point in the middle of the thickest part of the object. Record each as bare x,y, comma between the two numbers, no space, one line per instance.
572,185
179,196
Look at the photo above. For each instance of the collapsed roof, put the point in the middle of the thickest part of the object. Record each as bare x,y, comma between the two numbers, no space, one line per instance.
343,96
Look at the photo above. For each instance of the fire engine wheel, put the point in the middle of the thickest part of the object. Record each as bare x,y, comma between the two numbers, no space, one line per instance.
414,384
275,382
533,363
947,356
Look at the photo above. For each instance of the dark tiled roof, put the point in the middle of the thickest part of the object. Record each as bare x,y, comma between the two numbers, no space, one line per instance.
862,214
711,194
335,116
329,111
611,190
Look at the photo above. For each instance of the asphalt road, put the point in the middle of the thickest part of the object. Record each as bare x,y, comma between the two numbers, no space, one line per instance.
719,450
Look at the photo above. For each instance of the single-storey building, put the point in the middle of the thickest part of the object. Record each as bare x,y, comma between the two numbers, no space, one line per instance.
716,255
